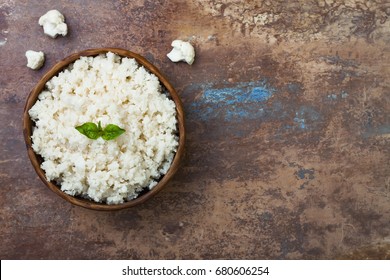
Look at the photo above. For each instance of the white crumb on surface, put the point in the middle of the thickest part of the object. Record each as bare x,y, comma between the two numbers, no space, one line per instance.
182,51
35,60
53,23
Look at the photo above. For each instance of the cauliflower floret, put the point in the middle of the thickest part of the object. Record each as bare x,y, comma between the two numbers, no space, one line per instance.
53,23
35,60
182,51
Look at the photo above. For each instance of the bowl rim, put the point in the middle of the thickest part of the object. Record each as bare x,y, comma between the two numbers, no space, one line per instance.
34,158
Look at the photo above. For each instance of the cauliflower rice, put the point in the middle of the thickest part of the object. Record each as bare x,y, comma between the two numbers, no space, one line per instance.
113,90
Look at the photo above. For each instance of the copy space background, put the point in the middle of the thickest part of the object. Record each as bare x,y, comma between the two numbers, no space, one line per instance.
287,117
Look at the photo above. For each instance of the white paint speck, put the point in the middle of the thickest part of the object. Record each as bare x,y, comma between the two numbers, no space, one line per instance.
3,42
211,38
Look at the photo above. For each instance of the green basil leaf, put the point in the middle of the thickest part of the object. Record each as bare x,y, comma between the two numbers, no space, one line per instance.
90,130
100,126
112,131
94,131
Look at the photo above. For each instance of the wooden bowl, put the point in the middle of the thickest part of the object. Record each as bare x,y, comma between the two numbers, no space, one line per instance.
36,160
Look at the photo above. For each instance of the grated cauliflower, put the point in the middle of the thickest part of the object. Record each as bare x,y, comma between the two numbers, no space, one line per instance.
109,89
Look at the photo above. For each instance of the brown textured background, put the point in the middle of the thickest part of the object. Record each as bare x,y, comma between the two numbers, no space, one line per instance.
288,124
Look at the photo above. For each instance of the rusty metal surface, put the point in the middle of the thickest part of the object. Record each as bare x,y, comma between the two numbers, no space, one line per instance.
287,109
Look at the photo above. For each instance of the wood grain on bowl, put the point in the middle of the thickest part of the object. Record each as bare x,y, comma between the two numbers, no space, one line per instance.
36,160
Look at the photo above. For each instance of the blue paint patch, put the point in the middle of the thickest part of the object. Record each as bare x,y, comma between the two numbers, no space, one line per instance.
233,103
236,95
307,117
305,174
259,94
225,108
300,122
301,173
377,131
